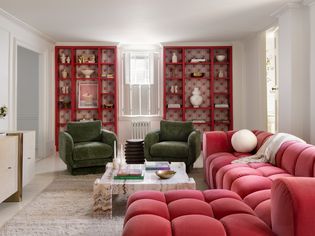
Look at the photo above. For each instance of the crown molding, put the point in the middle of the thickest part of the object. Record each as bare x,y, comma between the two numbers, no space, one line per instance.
295,4
26,26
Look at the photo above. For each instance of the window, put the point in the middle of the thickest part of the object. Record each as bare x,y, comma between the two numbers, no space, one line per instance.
140,83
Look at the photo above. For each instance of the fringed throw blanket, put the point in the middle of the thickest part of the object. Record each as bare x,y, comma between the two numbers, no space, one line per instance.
267,152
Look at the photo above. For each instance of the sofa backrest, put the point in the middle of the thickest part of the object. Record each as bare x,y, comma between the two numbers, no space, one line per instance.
297,158
85,131
293,206
175,130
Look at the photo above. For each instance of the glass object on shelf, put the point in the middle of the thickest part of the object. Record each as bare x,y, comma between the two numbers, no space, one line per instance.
221,74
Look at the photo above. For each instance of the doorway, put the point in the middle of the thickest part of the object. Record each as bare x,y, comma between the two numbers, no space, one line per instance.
28,91
272,74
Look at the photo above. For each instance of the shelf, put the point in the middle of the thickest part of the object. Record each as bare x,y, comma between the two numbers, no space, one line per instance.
108,63
86,109
221,63
198,63
109,93
201,123
206,78
103,58
198,108
208,84
86,64
218,78
174,94
171,63
168,108
179,78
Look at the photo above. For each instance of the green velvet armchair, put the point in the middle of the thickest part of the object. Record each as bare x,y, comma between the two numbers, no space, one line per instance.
174,142
85,147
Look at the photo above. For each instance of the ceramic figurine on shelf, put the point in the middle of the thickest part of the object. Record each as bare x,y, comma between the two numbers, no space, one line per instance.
175,89
174,58
172,89
63,58
64,74
221,74
80,59
68,59
196,98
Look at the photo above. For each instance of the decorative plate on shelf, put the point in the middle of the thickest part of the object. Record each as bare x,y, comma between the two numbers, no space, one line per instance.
197,75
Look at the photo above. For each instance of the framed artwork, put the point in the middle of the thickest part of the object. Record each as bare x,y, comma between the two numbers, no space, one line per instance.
87,94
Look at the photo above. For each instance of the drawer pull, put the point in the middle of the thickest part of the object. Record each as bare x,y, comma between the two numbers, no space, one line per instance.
9,167
29,158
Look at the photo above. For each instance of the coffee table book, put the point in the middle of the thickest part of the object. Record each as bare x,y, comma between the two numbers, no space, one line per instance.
157,165
131,171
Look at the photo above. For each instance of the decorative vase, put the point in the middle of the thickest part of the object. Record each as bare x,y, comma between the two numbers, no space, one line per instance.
172,89
176,89
63,58
64,74
174,58
196,98
68,59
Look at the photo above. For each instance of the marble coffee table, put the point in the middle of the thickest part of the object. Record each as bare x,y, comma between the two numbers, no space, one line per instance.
105,187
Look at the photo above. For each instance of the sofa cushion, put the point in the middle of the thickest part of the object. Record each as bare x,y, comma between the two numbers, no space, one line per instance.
85,131
175,130
91,150
170,149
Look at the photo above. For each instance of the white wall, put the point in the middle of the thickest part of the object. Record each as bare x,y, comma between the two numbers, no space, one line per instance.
4,75
254,91
294,99
27,90
15,33
312,71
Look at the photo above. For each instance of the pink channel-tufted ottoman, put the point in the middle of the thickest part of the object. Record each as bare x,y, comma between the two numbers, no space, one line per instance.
221,212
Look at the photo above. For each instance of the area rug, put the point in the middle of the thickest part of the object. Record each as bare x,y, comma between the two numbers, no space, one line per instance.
64,208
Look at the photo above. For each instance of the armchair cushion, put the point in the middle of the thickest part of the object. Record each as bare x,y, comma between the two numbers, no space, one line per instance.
91,150
175,130
85,131
170,149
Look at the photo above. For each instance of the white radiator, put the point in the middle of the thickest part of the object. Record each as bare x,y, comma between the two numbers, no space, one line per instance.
139,129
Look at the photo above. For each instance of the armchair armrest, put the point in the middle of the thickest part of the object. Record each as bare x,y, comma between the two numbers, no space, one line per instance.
216,141
150,139
194,146
109,137
66,146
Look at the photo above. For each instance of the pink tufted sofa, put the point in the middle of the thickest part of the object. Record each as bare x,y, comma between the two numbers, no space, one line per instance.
221,212
252,182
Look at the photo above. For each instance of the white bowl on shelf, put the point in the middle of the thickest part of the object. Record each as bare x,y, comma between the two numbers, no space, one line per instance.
87,72
220,57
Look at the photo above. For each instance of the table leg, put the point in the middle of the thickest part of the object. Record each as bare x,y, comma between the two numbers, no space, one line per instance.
102,196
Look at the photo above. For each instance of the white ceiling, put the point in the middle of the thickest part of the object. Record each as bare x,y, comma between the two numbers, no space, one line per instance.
144,21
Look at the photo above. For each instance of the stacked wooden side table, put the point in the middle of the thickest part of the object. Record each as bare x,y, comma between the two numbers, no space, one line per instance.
134,152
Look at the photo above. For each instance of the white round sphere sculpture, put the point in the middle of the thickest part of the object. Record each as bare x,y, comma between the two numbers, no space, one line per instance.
244,140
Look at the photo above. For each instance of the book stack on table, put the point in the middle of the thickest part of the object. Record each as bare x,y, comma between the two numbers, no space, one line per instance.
131,171
157,165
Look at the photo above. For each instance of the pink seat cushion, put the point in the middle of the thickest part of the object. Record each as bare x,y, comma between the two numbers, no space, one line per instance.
174,195
147,194
245,225
214,194
187,206
197,225
144,225
147,206
249,184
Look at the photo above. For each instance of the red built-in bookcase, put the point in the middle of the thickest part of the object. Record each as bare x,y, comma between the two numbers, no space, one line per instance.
102,82
216,89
